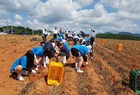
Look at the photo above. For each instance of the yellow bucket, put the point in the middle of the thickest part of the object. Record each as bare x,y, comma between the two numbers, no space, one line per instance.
119,47
55,73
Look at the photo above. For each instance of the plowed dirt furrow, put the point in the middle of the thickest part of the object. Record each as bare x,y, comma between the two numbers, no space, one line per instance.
126,61
89,83
118,65
128,54
112,84
40,83
130,47
106,74
115,64
68,86
110,79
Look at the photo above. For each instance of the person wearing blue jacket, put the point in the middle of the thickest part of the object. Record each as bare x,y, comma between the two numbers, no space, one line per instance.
62,35
87,39
67,45
58,39
38,51
81,53
44,53
26,62
39,55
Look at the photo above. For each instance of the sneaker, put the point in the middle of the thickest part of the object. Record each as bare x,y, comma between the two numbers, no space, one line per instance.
76,68
79,71
45,66
33,71
36,68
19,77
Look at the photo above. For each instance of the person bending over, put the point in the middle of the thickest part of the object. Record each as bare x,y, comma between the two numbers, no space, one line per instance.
80,53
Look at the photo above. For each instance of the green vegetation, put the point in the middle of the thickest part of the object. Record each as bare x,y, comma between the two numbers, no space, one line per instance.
117,36
21,30
28,31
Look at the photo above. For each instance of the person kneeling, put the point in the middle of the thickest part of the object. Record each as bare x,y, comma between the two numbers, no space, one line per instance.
23,65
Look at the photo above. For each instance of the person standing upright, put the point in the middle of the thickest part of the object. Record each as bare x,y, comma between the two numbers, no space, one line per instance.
44,35
92,37
55,32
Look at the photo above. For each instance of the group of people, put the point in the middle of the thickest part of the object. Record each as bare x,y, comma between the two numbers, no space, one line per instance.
29,62
56,47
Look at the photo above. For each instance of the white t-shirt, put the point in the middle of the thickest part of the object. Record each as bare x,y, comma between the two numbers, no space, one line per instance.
55,31
44,32
70,35
53,44
76,37
92,34
75,32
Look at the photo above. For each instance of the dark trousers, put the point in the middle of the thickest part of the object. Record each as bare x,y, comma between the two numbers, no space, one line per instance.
44,38
54,36
92,40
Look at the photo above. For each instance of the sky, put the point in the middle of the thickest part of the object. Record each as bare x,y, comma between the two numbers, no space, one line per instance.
82,15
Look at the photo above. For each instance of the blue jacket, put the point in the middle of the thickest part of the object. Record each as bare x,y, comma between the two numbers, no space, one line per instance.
38,51
58,39
67,46
20,61
61,35
83,49
87,39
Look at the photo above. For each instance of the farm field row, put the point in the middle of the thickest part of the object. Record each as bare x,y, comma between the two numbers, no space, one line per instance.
106,74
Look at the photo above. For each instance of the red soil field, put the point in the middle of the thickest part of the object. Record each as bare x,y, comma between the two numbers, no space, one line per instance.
107,73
